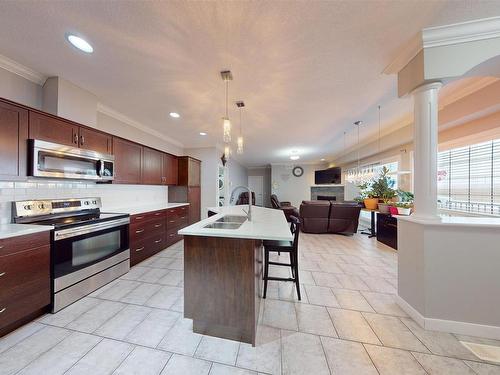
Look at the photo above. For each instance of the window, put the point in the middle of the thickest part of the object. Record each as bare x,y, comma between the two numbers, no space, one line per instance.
469,178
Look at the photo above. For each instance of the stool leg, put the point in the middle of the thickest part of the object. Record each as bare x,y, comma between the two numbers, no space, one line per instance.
266,270
292,262
296,265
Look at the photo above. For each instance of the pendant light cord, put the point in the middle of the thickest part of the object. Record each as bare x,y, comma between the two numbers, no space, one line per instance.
227,89
240,122
378,129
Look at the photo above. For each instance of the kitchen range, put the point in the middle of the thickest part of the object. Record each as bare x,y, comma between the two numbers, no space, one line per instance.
89,248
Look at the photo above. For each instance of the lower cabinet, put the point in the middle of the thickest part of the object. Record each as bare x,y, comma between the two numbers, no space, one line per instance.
152,232
24,279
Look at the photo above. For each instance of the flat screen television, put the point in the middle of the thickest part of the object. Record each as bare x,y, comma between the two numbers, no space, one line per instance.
328,176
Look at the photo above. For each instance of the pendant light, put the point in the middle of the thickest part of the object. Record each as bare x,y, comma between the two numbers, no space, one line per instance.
239,141
226,123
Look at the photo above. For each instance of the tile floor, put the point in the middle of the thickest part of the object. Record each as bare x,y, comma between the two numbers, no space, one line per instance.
347,323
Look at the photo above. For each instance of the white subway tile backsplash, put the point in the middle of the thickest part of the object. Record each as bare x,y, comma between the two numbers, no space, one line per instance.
112,196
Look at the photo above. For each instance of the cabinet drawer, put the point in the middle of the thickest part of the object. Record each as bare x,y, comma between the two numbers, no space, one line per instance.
177,222
143,249
146,229
147,216
24,284
172,236
177,212
20,243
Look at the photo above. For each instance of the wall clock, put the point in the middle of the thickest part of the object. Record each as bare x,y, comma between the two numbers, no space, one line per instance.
297,171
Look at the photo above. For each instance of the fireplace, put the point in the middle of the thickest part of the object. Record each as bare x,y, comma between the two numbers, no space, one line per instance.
326,198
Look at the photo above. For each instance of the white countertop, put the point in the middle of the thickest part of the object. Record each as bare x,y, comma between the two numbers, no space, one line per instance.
134,210
13,230
266,224
464,221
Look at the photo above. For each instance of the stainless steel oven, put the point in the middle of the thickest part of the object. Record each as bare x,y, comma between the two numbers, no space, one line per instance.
59,161
89,248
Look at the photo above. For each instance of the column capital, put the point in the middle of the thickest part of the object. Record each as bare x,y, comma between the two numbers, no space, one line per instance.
427,86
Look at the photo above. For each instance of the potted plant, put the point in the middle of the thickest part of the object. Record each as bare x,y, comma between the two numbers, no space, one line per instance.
404,208
382,188
405,196
393,210
369,198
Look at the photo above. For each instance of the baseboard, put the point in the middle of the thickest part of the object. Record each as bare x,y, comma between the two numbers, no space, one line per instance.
450,326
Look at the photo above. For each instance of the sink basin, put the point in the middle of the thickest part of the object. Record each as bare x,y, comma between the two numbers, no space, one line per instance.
232,219
223,225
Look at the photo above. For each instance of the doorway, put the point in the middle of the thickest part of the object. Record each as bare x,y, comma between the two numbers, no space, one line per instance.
256,184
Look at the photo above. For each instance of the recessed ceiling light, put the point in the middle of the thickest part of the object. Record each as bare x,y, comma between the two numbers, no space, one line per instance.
323,159
203,133
294,157
80,43
174,115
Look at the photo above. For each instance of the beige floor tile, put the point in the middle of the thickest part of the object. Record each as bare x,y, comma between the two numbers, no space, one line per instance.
95,317
352,300
19,335
119,290
182,365
303,354
280,314
153,274
70,313
165,297
181,339
172,278
436,365
265,356
393,333
483,368
326,279
62,356
315,320
394,361
439,343
321,295
150,331
135,273
347,357
143,361
102,359
218,369
305,277
384,303
218,350
141,294
123,323
351,325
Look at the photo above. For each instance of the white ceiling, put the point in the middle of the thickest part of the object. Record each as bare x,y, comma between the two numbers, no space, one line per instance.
306,70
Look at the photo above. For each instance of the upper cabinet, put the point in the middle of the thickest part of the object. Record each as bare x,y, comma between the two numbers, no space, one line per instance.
128,156
95,140
48,128
13,141
189,171
152,167
170,168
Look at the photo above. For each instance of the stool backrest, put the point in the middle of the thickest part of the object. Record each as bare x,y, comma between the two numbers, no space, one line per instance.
295,229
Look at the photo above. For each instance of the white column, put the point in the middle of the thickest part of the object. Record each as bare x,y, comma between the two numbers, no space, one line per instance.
425,142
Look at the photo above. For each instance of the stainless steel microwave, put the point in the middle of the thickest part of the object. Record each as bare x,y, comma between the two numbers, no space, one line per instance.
53,160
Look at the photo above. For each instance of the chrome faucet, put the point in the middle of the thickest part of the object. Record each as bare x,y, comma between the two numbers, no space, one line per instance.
249,213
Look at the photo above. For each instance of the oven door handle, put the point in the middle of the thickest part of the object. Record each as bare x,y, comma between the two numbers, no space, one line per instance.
78,231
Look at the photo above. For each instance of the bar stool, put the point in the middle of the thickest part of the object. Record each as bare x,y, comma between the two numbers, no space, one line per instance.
290,247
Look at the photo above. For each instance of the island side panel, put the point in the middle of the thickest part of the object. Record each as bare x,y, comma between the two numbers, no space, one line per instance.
222,279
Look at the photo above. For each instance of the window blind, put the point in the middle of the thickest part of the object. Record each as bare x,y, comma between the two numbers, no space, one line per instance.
469,178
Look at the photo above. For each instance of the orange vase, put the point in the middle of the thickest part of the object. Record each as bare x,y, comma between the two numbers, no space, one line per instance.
371,203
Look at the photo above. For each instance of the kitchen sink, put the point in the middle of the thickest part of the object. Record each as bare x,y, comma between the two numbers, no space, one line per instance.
227,222
232,219
223,225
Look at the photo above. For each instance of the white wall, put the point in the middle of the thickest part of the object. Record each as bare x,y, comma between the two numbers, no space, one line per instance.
290,188
237,175
20,90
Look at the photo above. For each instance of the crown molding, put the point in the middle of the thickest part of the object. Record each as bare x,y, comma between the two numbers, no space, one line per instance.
21,70
108,111
463,32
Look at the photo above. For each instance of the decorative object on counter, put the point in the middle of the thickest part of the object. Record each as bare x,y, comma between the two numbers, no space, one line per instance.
393,210
298,171
404,208
382,187
368,196
239,142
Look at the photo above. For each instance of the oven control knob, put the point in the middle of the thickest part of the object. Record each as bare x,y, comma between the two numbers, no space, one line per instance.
27,207
86,203
41,206
94,202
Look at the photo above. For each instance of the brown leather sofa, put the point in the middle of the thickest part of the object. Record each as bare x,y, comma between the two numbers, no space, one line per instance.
329,217
243,198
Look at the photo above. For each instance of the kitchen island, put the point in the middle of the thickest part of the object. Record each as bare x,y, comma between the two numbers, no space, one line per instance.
223,269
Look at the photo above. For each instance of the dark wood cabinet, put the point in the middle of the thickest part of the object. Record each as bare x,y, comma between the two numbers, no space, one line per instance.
152,167
95,140
51,129
13,140
170,169
387,230
194,199
128,157
189,171
24,279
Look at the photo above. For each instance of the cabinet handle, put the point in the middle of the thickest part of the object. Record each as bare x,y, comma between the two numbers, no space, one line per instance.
171,235
184,217
139,249
158,241
157,213
139,217
75,138
82,140
172,221
2,274
139,231
1,311
1,247
157,225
